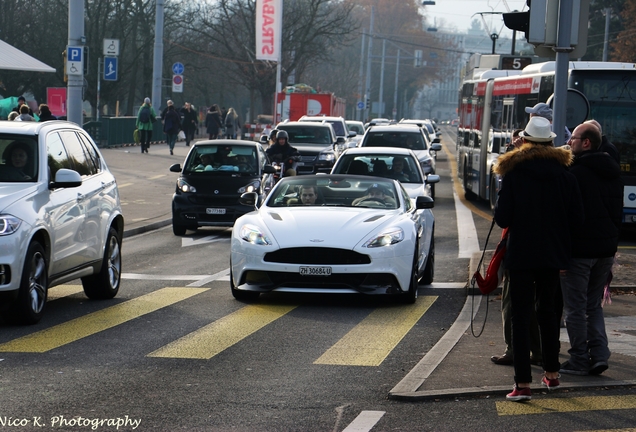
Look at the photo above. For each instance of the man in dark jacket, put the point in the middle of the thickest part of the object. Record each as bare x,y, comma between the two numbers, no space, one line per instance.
593,249
283,152
539,202
189,122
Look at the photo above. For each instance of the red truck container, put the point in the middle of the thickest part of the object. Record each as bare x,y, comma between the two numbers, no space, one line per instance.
292,106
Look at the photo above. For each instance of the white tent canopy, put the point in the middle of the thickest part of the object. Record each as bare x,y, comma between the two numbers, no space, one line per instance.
12,58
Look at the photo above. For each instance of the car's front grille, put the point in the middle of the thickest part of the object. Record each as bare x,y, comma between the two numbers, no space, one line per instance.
214,200
317,256
308,159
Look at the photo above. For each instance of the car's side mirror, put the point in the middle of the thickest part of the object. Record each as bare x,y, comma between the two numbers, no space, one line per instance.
436,147
268,169
432,178
437,140
175,168
65,178
340,140
424,202
264,139
249,199
352,134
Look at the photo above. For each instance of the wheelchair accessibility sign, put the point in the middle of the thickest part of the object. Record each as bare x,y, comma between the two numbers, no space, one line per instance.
74,60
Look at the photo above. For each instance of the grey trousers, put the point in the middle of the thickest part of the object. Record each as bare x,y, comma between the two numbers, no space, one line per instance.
583,286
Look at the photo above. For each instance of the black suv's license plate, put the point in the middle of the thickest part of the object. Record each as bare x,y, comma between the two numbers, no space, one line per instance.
215,210
315,271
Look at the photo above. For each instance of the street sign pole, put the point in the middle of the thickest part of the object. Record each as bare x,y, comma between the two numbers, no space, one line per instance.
99,81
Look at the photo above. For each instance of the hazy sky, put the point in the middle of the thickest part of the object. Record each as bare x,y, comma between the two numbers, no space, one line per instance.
458,14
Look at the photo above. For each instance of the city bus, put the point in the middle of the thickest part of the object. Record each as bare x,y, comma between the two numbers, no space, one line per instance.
492,106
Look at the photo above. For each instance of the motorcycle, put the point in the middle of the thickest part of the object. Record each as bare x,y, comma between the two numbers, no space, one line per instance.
284,165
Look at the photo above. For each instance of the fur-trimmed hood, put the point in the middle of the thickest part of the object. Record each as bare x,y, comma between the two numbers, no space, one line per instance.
532,152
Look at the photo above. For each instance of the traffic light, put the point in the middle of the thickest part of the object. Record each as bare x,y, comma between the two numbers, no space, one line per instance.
519,21
367,103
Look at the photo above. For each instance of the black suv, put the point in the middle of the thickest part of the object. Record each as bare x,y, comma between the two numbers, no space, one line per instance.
317,144
214,176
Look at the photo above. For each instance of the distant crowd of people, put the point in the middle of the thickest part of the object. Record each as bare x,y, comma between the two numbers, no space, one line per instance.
219,123
22,112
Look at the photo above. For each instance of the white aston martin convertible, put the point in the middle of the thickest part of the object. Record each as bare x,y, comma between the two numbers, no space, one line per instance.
334,234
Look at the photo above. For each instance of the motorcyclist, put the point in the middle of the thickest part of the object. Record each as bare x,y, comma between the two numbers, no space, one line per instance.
283,153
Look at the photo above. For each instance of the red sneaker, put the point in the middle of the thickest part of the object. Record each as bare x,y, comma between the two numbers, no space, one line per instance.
519,394
550,383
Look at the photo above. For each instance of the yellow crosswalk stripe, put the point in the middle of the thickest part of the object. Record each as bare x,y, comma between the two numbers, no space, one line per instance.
566,404
371,341
216,337
63,291
95,322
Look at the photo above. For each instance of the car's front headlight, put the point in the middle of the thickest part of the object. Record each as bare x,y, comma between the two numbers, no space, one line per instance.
252,187
9,224
385,238
184,186
327,156
252,234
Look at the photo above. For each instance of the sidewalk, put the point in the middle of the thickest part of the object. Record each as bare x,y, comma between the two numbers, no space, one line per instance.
459,365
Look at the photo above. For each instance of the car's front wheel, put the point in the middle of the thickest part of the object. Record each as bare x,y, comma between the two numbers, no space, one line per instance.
29,306
411,295
241,295
429,270
178,230
105,284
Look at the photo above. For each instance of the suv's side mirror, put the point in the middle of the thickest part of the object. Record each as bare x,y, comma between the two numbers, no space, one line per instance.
352,134
436,147
268,169
424,202
66,178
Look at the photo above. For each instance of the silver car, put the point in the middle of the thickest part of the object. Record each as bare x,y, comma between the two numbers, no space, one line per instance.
60,217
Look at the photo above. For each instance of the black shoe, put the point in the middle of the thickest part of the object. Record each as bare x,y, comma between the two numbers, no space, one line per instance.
598,368
568,369
505,360
171,153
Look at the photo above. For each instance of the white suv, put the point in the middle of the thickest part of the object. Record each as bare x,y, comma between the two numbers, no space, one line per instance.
60,217
337,123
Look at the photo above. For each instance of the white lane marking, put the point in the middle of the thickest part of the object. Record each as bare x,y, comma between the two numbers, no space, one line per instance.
138,276
365,421
212,278
618,337
466,231
187,241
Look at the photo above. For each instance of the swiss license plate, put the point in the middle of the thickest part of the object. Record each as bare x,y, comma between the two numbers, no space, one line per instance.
315,271
300,163
215,211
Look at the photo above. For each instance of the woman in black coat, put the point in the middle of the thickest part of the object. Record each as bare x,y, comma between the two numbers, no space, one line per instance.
213,122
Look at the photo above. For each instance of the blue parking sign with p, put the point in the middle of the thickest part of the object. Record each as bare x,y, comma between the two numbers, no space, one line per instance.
110,68
74,54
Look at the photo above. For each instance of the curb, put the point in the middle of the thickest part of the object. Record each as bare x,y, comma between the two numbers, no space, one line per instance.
145,228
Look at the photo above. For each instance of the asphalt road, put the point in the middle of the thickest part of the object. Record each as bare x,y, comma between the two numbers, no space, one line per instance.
175,352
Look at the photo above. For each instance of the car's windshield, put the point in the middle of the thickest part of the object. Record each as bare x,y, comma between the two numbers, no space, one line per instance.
409,140
19,158
334,191
222,160
398,167
356,127
310,134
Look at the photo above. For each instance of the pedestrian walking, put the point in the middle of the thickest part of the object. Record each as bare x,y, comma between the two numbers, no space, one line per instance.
593,248
189,122
539,202
232,124
45,113
171,126
213,122
169,103
146,116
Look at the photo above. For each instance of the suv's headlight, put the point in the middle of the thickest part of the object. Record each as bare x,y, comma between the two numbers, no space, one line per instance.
385,238
327,156
252,234
252,187
184,186
9,224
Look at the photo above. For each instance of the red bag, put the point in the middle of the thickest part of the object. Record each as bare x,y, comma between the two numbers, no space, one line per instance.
494,272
